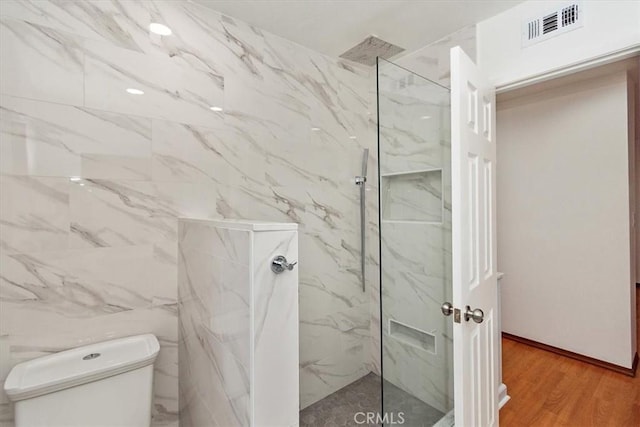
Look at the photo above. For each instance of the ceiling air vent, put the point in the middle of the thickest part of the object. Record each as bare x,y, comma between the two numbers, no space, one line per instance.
569,15
550,23
553,23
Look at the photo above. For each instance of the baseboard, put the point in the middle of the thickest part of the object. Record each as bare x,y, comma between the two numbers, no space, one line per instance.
620,369
503,397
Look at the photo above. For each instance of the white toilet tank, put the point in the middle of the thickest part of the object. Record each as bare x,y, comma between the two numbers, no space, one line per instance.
105,384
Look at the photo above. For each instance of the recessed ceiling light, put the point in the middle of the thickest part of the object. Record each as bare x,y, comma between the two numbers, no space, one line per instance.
425,117
352,137
134,91
160,29
75,179
215,108
315,129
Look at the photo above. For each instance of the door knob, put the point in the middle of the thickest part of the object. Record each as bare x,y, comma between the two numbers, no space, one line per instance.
447,309
477,315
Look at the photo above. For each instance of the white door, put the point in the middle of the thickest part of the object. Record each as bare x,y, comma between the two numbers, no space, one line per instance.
473,154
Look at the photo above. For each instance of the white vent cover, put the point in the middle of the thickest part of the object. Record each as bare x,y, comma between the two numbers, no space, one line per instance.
558,21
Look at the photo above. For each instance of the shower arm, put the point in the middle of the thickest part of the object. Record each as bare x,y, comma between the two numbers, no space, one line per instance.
361,181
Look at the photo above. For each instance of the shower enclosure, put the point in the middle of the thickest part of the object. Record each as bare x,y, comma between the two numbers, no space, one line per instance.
414,143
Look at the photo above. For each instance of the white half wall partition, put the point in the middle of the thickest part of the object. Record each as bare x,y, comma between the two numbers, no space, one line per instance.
238,319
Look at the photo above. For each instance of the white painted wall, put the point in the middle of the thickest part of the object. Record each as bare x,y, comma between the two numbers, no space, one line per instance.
609,27
634,83
632,123
563,217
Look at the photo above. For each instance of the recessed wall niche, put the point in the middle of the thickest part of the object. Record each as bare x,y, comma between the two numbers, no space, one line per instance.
414,196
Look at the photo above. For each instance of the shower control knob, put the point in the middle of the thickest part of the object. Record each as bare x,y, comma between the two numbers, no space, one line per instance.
280,264
447,309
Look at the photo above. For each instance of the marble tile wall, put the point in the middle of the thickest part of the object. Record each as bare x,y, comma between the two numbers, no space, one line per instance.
93,178
215,325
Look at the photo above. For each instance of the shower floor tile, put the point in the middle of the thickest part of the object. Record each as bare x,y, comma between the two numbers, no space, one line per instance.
339,409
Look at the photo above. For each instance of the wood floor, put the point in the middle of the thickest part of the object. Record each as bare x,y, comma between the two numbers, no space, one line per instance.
551,390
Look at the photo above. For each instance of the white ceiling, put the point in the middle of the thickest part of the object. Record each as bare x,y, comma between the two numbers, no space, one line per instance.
334,26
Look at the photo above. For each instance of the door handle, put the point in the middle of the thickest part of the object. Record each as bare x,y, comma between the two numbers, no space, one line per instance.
447,309
477,315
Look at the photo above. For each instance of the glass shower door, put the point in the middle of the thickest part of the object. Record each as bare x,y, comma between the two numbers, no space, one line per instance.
414,143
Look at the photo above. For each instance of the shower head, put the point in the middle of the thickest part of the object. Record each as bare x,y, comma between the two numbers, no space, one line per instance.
366,51
365,158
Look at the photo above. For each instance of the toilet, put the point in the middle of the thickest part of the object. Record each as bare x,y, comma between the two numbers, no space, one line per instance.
104,384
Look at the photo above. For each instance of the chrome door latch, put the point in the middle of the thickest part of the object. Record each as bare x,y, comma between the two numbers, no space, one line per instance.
477,315
280,264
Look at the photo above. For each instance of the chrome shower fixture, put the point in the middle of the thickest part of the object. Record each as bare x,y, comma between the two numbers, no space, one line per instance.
361,181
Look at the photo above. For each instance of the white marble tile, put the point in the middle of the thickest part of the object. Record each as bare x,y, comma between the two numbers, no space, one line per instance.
40,63
123,24
100,166
411,131
45,139
209,372
77,284
130,213
163,272
36,332
172,90
331,275
215,324
327,334
216,154
165,383
133,212
338,354
292,91
275,328
34,214
200,37
320,378
226,244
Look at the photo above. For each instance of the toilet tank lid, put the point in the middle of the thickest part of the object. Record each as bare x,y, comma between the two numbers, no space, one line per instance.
80,365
